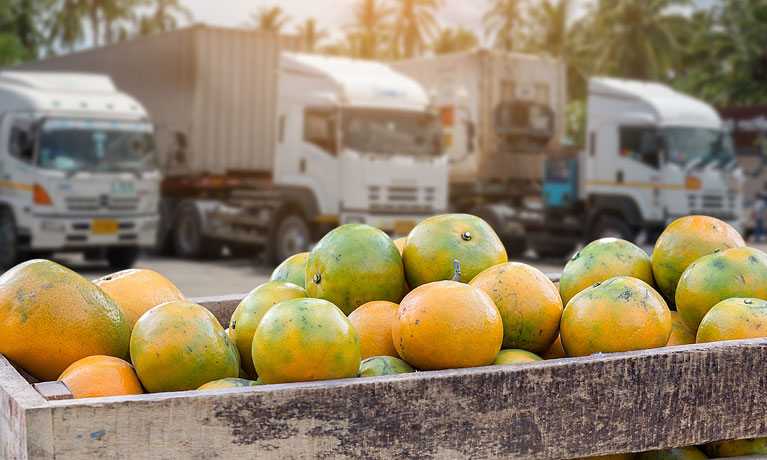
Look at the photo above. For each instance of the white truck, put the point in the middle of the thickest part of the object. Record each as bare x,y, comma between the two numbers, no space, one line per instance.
77,168
652,154
266,148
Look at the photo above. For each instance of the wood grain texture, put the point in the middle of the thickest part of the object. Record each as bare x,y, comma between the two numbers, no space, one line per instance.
25,418
564,408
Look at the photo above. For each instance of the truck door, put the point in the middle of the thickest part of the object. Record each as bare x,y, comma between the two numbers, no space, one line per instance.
319,154
16,158
639,171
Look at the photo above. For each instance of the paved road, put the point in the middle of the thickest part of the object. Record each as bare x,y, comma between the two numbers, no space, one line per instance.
205,278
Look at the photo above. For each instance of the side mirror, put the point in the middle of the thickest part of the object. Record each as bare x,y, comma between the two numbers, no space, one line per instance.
471,132
181,143
22,142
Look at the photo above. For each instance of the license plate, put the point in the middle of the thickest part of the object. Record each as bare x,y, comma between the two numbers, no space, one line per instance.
104,227
403,227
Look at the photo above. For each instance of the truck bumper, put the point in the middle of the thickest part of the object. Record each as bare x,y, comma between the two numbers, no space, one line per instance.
394,223
56,232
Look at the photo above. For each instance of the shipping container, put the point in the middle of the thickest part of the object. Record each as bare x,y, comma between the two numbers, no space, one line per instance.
217,86
468,87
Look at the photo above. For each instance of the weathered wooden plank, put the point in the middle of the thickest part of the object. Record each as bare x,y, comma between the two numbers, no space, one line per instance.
564,408
221,306
25,418
53,391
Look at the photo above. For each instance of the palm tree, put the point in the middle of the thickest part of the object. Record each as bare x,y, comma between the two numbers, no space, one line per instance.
107,11
165,16
311,34
19,36
369,28
271,19
21,29
636,38
501,22
66,25
737,46
107,19
351,45
116,14
414,23
550,32
454,40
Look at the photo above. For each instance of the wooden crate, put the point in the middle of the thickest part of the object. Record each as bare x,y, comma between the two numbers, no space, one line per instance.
621,402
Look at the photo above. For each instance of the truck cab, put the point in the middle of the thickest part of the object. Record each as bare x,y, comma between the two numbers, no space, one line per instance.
653,155
77,168
359,140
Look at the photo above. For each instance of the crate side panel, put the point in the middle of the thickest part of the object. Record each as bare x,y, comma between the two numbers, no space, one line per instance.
222,306
558,409
25,419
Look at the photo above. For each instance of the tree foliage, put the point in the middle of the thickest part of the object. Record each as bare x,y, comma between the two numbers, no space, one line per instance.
716,53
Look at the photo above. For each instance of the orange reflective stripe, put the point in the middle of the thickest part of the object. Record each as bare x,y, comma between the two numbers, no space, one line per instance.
16,186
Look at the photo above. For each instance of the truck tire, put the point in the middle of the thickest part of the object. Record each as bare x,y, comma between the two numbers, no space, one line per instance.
516,245
122,257
611,226
291,236
188,238
10,255
164,244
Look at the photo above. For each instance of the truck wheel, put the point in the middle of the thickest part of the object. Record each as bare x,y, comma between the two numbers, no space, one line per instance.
610,226
291,236
164,244
516,246
122,257
9,248
188,239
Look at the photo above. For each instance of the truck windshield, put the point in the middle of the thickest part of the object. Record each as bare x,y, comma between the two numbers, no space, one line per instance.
392,132
96,146
685,145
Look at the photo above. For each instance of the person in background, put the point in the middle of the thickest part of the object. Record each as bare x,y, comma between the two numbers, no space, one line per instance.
760,209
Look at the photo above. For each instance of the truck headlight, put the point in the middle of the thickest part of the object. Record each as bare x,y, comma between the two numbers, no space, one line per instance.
53,226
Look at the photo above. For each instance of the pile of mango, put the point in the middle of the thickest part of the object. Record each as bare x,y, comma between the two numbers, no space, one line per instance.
361,304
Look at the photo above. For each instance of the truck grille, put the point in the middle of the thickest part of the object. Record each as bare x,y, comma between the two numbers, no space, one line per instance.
713,201
402,193
399,198
104,202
